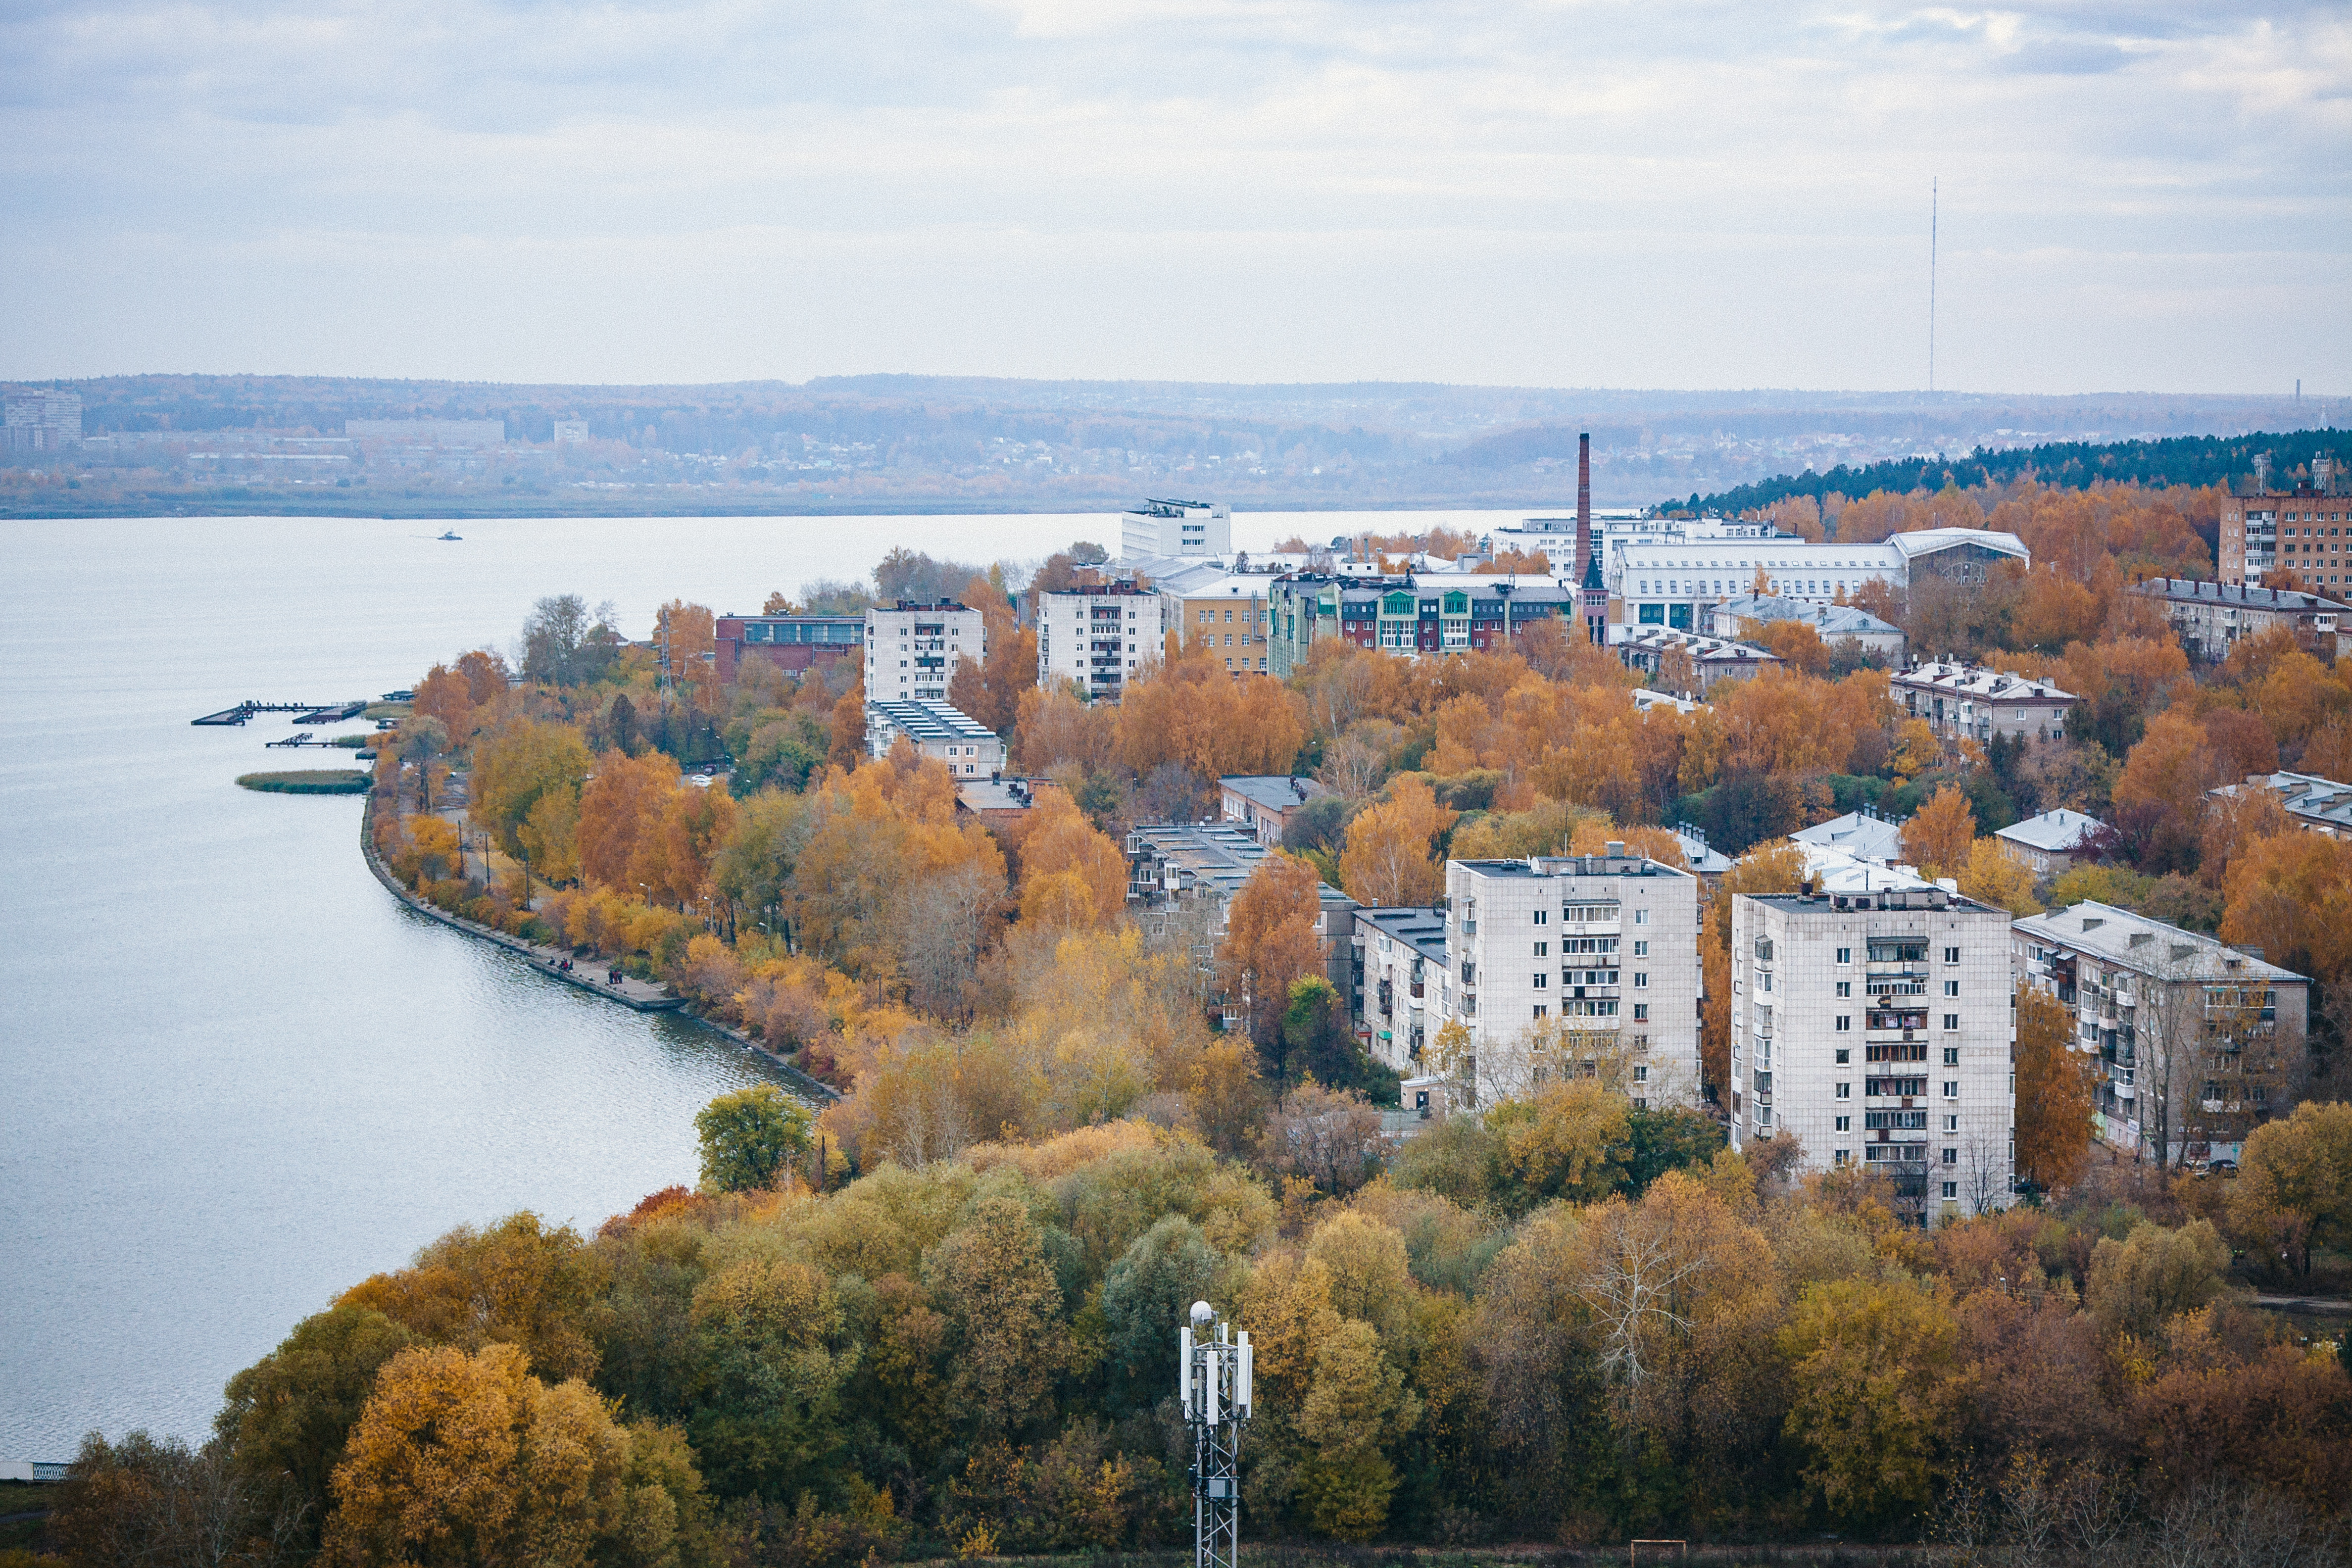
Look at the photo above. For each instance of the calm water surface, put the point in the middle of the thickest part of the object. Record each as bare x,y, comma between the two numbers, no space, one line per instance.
234,1075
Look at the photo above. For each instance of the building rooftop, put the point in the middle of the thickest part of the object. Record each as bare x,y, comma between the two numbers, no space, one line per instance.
1703,860
1863,834
924,720
1215,856
1957,680
1645,700
1423,929
2192,590
1703,649
2137,943
1001,794
2057,831
2305,796
1837,870
1928,541
1828,620
1615,863
1276,792
1919,894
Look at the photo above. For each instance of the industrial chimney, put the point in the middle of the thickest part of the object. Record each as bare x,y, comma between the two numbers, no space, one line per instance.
1583,502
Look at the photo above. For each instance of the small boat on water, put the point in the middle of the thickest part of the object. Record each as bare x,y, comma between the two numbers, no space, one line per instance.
453,536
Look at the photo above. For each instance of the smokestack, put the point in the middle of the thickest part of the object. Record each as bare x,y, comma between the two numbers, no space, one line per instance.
1583,502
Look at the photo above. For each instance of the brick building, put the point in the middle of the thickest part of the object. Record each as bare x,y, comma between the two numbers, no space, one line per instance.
788,642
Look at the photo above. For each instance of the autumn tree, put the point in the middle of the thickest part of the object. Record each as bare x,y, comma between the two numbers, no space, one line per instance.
515,1470
1991,875
1355,1405
1054,727
1000,1295
1876,1386
770,1356
1071,873
620,809
1390,859
286,1416
445,694
517,1282
2294,1183
1938,837
1271,937
751,1136
2054,1092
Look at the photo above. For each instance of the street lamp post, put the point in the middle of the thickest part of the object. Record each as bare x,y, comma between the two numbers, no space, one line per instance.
1214,1379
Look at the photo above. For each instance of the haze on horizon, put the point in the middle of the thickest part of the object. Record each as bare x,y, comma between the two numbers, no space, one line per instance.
2151,196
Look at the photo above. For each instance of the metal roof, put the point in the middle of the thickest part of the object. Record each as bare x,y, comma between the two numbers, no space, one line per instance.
925,720
2058,831
2147,946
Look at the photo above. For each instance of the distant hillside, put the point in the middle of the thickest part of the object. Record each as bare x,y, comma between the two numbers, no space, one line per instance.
2179,460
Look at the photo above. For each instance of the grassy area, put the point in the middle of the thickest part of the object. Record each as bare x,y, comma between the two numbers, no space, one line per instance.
306,781
375,710
356,743
23,1497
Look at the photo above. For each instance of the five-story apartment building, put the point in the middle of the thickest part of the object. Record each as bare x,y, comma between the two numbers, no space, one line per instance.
911,649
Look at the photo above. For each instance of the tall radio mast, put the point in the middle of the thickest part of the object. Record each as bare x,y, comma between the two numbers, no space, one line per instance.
1213,1380
1933,184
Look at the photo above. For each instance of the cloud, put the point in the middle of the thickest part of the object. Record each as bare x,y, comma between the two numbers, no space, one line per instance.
1695,193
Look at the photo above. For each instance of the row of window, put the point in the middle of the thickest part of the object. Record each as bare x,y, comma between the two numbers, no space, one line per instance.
1592,944
1542,978
1845,1021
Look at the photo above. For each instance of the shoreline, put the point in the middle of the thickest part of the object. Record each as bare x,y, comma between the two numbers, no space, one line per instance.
664,1000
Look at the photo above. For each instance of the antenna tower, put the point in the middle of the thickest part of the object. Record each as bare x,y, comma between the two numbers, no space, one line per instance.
1933,184
1213,1381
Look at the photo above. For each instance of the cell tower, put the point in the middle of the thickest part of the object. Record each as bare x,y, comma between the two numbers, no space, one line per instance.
1213,1380
1934,193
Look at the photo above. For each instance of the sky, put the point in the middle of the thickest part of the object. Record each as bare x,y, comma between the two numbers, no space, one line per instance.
2148,196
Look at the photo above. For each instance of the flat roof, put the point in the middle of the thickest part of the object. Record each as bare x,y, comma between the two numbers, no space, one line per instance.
925,720
1277,792
1550,866
2058,830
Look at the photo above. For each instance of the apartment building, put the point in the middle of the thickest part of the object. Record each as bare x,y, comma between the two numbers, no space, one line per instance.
2306,526
1096,633
1164,528
1554,954
2049,843
1876,1027
1413,615
1225,614
1970,702
2316,805
1266,802
1399,990
911,649
1645,649
969,748
1181,878
2211,618
2196,1041
41,419
1747,615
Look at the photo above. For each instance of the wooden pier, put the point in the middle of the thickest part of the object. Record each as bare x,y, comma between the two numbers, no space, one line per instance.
304,712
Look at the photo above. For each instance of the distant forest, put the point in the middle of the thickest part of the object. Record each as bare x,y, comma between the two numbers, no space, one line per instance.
2179,460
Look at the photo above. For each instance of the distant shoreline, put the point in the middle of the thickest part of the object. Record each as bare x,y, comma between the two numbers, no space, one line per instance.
931,508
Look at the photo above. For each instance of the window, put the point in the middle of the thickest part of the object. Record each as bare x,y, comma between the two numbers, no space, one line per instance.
1640,1010
1951,1123
1845,987
1843,1156
1543,949
1845,1123
1845,955
1951,988
1845,1091
1541,1010
1951,1189
1541,979
1951,1054
1641,917
1764,980
1952,955
1641,1072
1951,1156
1641,950
1843,1055
1543,915
1641,980
1846,1021
1952,1025
1951,1089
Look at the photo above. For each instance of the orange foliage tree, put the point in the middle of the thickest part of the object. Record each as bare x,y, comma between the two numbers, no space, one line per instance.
1390,858
1938,837
1270,936
1191,711
1057,727
1071,875
620,806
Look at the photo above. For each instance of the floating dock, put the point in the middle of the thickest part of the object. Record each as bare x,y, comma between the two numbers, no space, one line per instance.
304,712
333,714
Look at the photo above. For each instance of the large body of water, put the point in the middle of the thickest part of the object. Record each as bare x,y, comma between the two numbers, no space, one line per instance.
236,1076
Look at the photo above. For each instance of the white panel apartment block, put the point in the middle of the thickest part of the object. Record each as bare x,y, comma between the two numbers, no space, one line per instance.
1878,1028
1097,635
1607,943
1165,528
911,649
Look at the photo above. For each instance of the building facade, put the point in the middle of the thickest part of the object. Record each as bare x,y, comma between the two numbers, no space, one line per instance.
911,649
1679,584
2195,1041
1646,648
1971,702
2308,527
1181,878
1431,614
1096,633
2211,618
969,748
1554,955
788,642
1175,528
1747,615
1224,615
2049,843
1398,978
1877,1028
41,419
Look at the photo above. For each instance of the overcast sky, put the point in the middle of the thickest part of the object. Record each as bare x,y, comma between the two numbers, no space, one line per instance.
2150,197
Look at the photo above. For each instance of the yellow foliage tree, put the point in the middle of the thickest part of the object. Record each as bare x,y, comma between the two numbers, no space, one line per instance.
1938,836
1991,875
1071,874
1390,859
